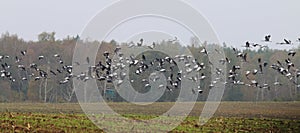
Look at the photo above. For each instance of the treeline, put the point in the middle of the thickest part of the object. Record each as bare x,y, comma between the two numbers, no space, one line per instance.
23,87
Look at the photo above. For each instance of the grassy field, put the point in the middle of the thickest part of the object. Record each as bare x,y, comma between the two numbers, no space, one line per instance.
230,117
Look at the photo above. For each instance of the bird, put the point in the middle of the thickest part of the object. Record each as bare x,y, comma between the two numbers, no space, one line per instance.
243,56
259,60
37,78
147,85
106,54
292,53
256,45
141,42
254,83
285,41
52,72
22,67
17,59
63,81
235,67
117,49
202,77
41,57
247,44
197,91
265,86
131,44
144,57
267,38
204,51
173,40
56,55
289,63
23,52
60,61
153,45
277,83
255,71
247,73
88,60
58,70
219,71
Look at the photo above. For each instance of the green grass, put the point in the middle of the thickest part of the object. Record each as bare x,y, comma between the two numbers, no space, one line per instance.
80,123
230,117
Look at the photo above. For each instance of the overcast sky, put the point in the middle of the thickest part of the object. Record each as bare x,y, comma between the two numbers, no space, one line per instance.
235,21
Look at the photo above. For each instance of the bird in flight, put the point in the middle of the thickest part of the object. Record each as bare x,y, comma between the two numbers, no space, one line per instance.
247,44
141,42
23,52
285,41
204,51
292,53
267,38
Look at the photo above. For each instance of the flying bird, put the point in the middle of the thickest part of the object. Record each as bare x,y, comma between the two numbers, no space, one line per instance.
23,52
285,41
41,57
247,44
141,42
292,53
267,38
88,60
204,51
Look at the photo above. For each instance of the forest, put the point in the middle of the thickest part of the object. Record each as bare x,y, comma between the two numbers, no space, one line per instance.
41,71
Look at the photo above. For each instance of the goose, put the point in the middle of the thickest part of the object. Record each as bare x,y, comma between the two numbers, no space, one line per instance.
292,53
204,51
153,45
23,52
254,82
22,67
63,81
37,78
41,57
140,43
117,49
56,55
202,77
17,59
52,72
247,44
256,45
285,41
197,91
255,71
267,38
277,83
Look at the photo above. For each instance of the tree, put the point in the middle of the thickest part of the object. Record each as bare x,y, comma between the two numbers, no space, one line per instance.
45,36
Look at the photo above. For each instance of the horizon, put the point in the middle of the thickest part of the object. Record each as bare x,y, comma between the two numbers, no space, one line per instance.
295,45
235,22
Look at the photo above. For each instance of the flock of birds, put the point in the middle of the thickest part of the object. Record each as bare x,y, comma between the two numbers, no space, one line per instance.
284,68
34,70
106,70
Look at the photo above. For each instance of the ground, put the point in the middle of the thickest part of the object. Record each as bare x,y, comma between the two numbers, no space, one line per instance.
230,117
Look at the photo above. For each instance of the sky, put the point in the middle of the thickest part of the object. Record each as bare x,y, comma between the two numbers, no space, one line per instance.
234,21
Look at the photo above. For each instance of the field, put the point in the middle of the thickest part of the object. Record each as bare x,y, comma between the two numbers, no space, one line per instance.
230,117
